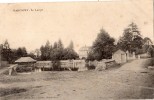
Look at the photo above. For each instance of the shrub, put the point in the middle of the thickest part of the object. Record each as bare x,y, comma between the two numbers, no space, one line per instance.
90,67
151,62
74,69
24,69
56,65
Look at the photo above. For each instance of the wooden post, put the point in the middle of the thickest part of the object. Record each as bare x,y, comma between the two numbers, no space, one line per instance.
10,71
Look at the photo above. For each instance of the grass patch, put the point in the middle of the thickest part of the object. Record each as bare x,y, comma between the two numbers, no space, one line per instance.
4,91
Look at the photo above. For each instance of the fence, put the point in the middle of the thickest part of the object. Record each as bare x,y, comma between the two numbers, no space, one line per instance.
73,64
60,65
79,65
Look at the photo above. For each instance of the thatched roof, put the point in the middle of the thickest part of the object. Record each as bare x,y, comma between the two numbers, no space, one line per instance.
25,59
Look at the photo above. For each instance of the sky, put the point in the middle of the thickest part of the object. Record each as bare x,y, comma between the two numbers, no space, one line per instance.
32,24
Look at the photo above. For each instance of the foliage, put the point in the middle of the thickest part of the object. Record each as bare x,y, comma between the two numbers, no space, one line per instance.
147,41
131,39
148,47
151,63
45,51
11,55
32,55
90,67
56,65
102,47
151,51
58,52
21,52
7,53
23,69
69,52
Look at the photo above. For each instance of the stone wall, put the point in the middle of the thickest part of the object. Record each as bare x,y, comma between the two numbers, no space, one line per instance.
103,64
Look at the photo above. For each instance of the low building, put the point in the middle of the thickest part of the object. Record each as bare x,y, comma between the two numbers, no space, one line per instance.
84,51
25,64
119,56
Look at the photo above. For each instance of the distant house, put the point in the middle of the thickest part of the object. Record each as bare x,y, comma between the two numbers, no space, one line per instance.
25,64
83,52
119,56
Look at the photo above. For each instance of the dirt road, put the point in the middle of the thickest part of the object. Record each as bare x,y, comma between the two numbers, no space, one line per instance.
131,81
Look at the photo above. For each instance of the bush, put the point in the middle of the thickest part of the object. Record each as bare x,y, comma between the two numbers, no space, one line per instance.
56,65
90,67
9,91
74,69
151,62
24,69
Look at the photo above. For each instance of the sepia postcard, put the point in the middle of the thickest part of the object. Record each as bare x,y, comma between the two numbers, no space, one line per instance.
81,50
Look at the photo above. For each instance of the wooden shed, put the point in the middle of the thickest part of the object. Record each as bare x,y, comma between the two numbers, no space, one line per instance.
119,56
25,64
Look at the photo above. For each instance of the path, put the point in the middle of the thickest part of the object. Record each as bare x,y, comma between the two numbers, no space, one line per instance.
136,65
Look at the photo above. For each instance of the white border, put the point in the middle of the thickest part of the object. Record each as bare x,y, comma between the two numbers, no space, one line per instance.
22,1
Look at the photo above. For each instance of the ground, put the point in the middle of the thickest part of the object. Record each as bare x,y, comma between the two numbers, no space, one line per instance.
130,81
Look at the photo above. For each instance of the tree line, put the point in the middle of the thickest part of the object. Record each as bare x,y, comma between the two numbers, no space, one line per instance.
46,52
131,40
102,48
10,55
57,51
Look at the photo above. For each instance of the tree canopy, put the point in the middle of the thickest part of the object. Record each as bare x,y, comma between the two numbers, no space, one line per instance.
102,47
58,52
131,39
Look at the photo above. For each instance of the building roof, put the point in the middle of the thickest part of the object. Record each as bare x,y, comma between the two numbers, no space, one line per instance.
25,59
119,52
